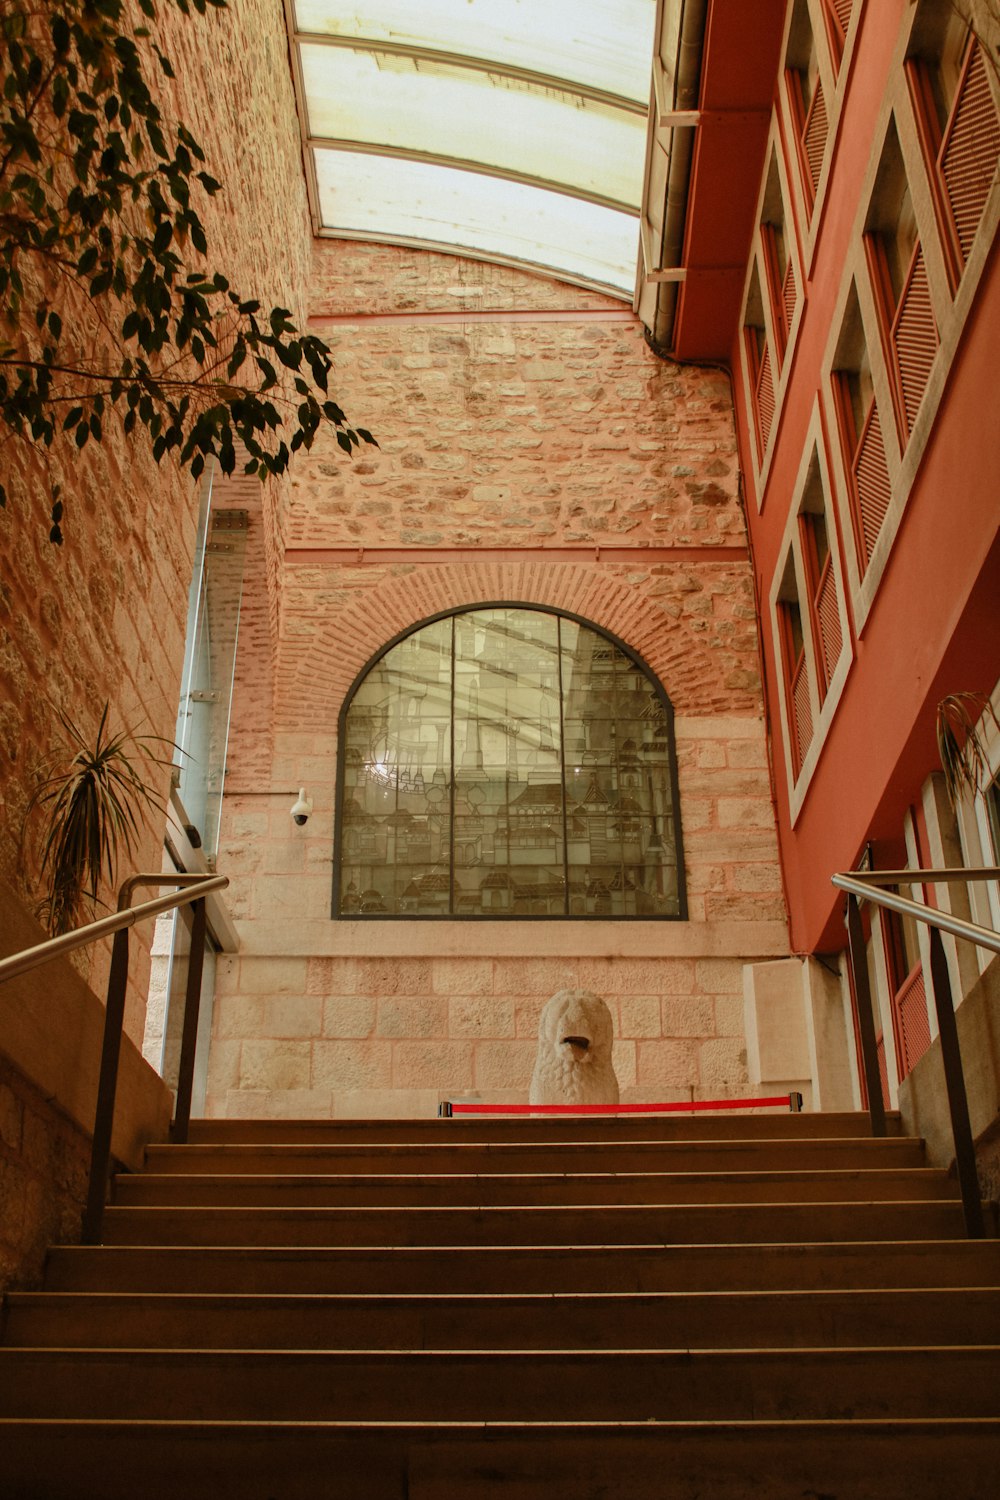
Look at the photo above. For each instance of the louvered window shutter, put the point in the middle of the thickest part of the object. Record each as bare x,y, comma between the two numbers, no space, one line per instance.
970,148
803,711
761,386
871,483
782,299
823,611
910,1021
765,400
789,293
869,488
914,339
796,685
814,134
837,14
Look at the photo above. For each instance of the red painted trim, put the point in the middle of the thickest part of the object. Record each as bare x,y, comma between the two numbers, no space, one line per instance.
691,1107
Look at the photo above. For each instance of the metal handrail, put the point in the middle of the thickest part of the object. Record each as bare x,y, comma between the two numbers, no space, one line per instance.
125,916
983,937
867,886
193,889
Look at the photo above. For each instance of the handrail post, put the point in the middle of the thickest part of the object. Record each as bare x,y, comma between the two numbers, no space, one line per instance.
189,1033
104,1115
866,1020
958,1102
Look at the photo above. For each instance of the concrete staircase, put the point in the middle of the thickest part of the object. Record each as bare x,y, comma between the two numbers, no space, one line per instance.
715,1308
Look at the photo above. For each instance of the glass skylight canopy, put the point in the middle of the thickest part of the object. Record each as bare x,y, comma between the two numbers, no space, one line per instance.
512,130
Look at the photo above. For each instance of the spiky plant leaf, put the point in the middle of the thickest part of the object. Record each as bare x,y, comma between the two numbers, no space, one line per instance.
961,750
94,804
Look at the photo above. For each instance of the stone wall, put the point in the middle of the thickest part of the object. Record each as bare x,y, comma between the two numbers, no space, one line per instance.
44,1162
102,618
528,438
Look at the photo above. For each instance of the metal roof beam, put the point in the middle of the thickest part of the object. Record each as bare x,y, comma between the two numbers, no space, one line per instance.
464,164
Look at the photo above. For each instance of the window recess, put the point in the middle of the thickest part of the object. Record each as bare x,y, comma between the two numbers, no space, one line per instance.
899,282
861,437
959,128
804,87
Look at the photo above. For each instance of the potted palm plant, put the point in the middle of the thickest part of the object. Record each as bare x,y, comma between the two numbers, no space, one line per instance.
93,801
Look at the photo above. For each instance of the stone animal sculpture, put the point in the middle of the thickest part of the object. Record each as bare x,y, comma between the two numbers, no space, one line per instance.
573,1064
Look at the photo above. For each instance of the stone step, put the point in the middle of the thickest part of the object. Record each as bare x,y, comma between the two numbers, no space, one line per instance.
502,1385
437,1157
571,1267
581,1320
724,1126
869,1460
648,1224
472,1190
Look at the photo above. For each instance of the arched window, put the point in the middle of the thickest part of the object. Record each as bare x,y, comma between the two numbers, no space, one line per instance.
507,761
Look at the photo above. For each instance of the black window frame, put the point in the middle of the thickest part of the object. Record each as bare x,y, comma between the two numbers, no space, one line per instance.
681,915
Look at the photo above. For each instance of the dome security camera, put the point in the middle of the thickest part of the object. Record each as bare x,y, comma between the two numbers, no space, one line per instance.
301,808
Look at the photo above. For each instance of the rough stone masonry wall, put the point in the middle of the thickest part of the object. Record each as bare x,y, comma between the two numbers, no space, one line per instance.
547,423
103,617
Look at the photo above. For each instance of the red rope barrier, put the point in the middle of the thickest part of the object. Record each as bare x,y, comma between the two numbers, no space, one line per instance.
691,1107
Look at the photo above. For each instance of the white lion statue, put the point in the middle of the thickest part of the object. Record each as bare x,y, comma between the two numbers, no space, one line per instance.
573,1065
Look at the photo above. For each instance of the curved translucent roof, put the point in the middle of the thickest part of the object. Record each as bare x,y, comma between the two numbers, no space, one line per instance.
514,130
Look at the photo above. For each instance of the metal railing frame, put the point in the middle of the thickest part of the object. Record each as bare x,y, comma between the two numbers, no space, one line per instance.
190,890
868,885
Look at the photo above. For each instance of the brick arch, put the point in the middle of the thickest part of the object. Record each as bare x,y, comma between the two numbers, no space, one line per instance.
313,684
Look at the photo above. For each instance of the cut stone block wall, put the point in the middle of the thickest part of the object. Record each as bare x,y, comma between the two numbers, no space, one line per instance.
367,1033
523,426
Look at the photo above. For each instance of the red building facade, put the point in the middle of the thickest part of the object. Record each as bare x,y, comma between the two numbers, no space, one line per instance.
864,383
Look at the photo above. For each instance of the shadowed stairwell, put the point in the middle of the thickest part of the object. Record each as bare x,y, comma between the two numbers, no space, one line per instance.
715,1308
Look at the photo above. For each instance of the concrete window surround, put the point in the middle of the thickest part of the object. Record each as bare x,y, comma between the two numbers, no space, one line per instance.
513,939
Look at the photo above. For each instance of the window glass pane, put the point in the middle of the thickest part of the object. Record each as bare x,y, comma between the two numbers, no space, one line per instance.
399,102
412,200
469,788
604,43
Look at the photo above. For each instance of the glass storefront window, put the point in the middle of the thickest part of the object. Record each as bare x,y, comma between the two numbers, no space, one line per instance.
507,762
